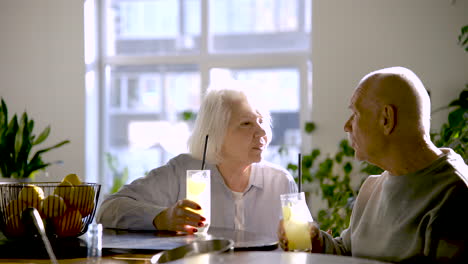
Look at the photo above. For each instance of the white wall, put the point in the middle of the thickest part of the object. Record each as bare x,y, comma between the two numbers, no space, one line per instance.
42,72
353,38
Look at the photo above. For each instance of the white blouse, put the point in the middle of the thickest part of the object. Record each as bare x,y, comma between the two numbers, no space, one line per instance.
136,204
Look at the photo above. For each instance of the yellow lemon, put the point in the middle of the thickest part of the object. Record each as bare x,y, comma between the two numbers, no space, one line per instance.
82,198
286,213
73,179
32,195
15,207
69,224
86,209
195,187
53,206
64,190
14,227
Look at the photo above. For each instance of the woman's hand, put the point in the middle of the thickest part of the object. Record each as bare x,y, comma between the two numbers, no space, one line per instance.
315,237
283,240
179,218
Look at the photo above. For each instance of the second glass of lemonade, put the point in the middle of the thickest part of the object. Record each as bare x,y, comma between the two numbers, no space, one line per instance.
296,220
199,191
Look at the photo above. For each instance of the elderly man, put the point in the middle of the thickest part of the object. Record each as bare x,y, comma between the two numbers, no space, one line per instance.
412,212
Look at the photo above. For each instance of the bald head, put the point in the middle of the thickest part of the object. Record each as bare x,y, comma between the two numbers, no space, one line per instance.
402,89
390,120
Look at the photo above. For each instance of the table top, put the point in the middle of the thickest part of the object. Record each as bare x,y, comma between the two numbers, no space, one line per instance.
118,240
273,257
248,257
129,242
125,247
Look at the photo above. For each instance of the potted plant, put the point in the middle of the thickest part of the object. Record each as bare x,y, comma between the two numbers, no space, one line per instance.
17,141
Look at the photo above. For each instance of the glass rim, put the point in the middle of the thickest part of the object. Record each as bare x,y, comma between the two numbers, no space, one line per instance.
288,196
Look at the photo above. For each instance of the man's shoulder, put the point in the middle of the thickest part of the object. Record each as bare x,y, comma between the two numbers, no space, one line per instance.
457,164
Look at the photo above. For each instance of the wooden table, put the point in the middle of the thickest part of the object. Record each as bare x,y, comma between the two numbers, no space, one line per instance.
132,247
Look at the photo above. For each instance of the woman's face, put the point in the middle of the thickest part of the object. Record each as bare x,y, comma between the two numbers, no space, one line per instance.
245,137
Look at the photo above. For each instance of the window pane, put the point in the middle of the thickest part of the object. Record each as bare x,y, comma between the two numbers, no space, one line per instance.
137,27
279,89
146,121
266,25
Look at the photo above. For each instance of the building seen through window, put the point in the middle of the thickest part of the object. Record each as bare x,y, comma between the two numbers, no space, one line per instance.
159,56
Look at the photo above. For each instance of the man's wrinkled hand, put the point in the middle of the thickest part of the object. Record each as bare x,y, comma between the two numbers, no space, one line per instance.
315,237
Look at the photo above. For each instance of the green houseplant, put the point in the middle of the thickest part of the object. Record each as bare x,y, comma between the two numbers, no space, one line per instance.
119,176
17,140
454,133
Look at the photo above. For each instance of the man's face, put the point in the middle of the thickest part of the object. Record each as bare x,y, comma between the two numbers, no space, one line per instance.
245,137
362,125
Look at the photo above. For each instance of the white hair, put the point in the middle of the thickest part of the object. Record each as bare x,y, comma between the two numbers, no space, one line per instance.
214,116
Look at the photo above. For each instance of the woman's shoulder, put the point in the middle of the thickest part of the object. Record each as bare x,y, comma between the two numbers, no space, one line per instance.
180,162
186,161
269,166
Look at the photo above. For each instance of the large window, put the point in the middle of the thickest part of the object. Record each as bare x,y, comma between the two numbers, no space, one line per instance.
159,56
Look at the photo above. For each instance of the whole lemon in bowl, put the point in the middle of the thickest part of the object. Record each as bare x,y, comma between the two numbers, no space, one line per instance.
32,195
53,206
69,224
15,207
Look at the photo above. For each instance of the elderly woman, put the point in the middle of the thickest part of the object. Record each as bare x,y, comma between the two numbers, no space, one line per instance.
245,189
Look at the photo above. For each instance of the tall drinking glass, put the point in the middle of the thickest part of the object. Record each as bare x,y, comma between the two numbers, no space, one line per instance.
199,191
296,220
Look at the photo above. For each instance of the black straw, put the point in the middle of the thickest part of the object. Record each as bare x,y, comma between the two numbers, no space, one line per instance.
204,153
299,162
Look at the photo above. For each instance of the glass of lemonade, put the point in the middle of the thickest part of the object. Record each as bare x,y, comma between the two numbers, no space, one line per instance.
199,191
296,221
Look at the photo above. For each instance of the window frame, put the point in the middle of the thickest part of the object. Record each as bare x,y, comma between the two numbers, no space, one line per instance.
204,59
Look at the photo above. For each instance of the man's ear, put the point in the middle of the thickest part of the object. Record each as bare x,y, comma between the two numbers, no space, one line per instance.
388,119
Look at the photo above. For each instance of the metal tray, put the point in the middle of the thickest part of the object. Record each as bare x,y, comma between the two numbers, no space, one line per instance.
197,247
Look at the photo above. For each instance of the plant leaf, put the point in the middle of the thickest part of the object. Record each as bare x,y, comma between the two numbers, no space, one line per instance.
455,117
43,136
310,127
50,148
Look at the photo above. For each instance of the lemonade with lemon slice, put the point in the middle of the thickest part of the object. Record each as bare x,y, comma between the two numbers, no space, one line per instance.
199,191
296,219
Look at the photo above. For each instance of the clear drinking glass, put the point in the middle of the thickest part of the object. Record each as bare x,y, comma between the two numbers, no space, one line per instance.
94,242
199,191
296,221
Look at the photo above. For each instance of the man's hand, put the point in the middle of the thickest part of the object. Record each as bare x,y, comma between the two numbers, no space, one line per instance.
178,218
315,237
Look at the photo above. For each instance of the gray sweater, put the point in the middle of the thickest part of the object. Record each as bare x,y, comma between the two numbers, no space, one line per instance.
414,217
